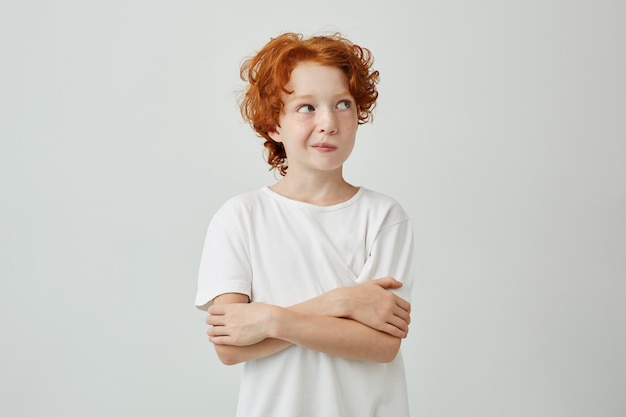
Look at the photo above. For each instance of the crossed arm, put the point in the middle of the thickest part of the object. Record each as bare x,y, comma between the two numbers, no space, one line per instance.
363,322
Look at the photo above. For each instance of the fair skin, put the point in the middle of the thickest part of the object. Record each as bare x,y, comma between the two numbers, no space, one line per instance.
364,322
318,130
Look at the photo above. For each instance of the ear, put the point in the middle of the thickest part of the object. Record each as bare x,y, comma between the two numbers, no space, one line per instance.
275,135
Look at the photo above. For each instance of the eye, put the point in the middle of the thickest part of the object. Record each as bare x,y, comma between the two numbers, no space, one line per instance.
307,108
344,104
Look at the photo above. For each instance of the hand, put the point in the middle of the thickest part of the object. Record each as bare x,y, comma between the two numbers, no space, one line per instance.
239,324
373,305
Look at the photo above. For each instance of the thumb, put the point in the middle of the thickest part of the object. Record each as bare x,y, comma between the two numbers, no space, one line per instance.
388,282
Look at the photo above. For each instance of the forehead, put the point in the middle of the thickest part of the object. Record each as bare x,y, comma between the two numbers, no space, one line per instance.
313,78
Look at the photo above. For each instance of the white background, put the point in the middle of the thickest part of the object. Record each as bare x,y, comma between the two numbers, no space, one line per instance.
501,128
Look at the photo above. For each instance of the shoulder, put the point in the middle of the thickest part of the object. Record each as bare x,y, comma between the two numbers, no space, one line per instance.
383,205
239,209
379,198
244,202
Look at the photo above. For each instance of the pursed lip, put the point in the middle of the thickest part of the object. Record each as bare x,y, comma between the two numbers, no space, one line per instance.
324,146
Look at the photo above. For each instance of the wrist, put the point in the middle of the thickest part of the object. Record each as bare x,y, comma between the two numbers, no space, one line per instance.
339,303
276,321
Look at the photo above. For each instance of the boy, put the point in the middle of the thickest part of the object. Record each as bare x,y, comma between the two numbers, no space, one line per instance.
307,280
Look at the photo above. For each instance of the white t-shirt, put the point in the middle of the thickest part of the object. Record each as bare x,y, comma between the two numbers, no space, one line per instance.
280,251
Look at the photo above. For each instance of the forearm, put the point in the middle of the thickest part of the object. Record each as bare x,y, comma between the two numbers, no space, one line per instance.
231,354
335,336
363,322
346,338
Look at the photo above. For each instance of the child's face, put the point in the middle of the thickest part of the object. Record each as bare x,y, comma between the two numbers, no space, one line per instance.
319,120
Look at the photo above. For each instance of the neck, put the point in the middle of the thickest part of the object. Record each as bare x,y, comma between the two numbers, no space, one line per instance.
322,190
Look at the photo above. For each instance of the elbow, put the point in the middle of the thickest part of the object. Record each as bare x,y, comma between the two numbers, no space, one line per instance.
228,360
227,355
390,350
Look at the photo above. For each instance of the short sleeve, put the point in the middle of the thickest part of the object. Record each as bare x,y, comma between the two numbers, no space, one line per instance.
393,254
224,265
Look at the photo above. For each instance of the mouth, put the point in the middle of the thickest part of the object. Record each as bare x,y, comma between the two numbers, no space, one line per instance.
324,147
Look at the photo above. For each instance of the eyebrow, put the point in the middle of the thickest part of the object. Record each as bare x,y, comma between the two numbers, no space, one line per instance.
310,96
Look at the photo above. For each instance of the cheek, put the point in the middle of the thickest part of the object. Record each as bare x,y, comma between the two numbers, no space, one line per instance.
351,116
349,122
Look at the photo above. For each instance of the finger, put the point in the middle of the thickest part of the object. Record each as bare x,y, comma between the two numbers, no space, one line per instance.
217,309
387,282
403,314
403,304
215,320
214,331
219,340
399,322
394,331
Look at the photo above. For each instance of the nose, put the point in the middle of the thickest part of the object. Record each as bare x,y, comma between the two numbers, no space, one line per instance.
327,122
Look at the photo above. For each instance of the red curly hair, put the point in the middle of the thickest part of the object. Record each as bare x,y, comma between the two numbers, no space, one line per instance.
268,72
